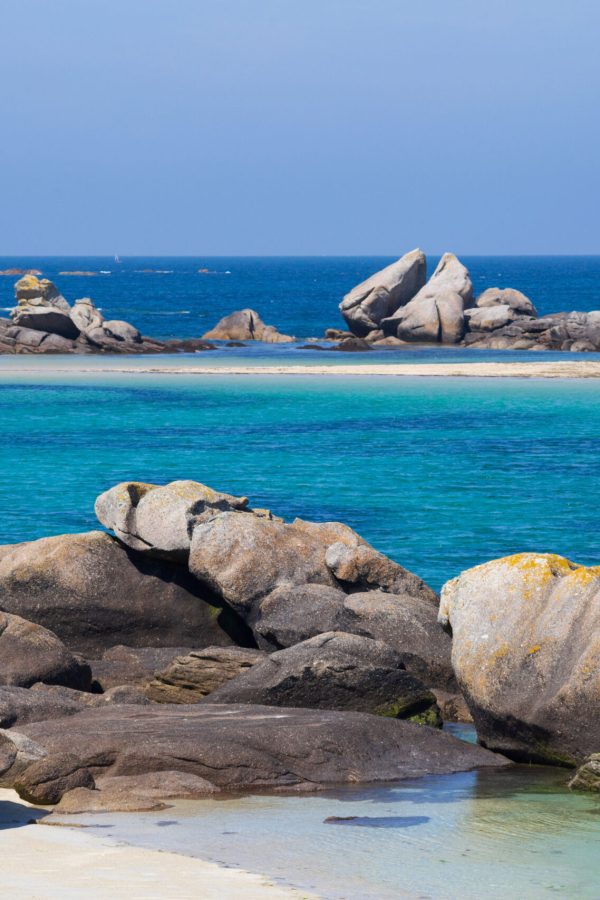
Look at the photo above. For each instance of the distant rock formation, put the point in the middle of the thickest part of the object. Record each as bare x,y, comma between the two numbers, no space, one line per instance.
44,322
443,311
246,325
381,295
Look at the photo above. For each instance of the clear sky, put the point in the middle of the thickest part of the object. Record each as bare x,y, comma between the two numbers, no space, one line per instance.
299,126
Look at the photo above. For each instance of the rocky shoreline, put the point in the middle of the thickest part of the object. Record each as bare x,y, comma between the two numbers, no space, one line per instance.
394,308
202,646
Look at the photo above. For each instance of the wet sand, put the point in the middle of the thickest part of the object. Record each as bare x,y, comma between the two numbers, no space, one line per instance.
40,862
551,369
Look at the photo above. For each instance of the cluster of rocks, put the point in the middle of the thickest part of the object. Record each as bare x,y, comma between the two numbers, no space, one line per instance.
220,646
205,645
44,322
398,305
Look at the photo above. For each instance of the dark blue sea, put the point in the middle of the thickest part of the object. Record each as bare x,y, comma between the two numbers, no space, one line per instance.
168,297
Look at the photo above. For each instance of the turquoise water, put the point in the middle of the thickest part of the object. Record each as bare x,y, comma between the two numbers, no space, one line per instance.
440,474
497,834
297,294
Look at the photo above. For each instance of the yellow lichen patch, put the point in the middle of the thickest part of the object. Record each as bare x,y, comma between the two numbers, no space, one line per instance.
535,649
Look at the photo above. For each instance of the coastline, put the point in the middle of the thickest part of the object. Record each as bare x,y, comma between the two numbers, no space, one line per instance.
65,862
556,369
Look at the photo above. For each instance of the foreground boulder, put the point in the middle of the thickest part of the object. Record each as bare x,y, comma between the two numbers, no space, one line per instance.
20,706
93,593
436,313
526,653
246,325
381,295
161,519
333,671
235,748
191,677
30,653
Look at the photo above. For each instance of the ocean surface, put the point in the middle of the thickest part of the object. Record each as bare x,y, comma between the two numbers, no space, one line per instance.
168,297
441,474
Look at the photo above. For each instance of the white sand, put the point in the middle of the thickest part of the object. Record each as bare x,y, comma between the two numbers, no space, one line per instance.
40,862
550,369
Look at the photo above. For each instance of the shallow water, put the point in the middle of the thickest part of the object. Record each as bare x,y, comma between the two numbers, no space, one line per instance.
494,834
440,474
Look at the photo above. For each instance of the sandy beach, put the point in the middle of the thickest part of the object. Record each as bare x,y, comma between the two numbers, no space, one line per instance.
41,862
550,369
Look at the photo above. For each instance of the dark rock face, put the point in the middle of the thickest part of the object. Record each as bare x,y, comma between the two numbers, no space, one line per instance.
233,747
191,677
332,671
30,653
574,331
94,593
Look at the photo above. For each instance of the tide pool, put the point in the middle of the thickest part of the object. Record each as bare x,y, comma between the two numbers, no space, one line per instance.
439,474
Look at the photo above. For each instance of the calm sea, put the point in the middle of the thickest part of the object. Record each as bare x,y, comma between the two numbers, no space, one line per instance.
297,294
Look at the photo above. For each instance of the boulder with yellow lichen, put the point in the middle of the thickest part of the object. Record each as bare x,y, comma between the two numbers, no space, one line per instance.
526,654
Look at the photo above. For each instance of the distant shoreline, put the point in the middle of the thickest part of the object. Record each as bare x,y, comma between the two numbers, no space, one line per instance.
557,369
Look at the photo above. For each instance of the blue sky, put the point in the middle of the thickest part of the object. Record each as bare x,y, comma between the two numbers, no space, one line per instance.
299,126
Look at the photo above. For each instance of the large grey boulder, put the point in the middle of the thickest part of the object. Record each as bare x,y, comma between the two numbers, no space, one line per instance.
234,747
333,671
189,678
517,301
160,519
526,653
21,706
373,300
436,313
93,593
122,331
246,325
30,653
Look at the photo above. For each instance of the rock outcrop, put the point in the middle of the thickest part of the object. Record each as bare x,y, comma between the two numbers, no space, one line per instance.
333,671
526,653
94,593
191,677
436,313
232,747
30,653
246,325
132,666
380,296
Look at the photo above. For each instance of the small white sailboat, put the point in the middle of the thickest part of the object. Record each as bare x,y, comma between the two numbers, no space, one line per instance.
117,258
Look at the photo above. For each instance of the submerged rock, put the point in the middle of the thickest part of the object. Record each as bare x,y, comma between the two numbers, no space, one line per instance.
234,747
246,325
332,671
381,295
526,653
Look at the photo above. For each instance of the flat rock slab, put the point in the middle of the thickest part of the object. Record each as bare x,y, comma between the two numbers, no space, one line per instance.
234,747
